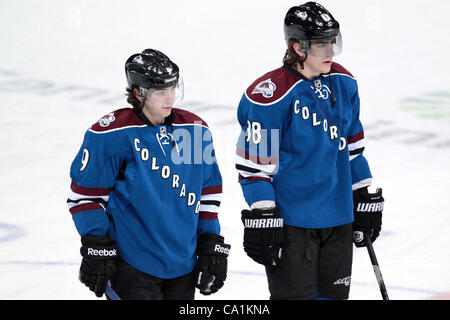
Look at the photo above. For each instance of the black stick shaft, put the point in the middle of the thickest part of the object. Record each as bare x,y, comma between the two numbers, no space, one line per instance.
376,268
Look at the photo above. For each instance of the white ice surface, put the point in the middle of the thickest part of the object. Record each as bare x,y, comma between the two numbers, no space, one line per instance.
61,69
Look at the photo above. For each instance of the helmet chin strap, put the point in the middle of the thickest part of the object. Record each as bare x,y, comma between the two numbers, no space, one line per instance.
302,62
304,49
143,93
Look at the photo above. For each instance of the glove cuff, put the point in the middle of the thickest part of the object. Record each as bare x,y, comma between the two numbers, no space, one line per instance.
210,237
262,219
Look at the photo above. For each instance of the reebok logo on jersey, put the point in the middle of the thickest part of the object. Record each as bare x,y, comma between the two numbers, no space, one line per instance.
264,223
370,207
266,88
101,252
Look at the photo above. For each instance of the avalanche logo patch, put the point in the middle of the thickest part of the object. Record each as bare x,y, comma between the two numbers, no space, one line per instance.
106,120
301,14
138,59
266,88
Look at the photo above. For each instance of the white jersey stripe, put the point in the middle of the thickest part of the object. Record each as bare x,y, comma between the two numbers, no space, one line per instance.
70,205
246,174
212,197
362,184
76,196
268,168
209,208
356,145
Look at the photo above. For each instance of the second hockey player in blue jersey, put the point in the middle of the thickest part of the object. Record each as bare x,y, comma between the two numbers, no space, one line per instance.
145,193
301,164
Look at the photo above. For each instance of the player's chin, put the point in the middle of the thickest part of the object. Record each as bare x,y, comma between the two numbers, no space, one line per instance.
325,66
166,110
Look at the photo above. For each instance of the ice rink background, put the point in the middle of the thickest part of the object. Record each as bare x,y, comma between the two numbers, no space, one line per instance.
61,69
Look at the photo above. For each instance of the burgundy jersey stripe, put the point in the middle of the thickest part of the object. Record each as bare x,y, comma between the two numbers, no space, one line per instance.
89,191
85,207
205,215
212,190
356,137
255,178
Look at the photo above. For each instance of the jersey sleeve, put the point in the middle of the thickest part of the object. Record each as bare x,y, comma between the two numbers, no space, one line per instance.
257,149
360,171
93,173
211,195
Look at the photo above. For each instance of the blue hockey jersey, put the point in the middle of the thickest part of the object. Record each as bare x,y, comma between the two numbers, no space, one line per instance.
301,146
153,189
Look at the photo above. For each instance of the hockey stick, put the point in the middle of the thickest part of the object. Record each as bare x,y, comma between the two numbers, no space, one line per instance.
110,292
376,268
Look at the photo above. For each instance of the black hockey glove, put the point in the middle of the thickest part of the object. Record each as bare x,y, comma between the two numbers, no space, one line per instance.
263,235
99,262
212,263
368,208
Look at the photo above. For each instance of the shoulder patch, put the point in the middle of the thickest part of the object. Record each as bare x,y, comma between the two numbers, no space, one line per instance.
117,119
186,117
266,88
271,87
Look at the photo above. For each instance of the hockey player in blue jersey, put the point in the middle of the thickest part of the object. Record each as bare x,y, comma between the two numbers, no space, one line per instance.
301,165
145,193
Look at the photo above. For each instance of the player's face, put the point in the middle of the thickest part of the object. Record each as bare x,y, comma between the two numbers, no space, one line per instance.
314,65
159,103
320,55
318,65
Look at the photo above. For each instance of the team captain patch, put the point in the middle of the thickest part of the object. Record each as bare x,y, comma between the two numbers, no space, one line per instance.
266,88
